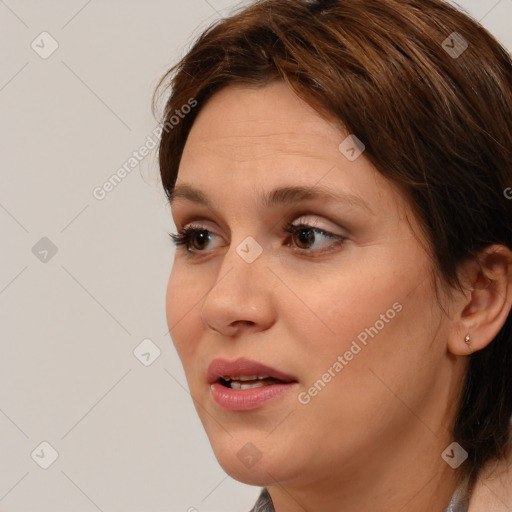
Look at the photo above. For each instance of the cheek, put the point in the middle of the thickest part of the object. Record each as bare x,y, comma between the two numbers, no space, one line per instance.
337,306
380,321
182,310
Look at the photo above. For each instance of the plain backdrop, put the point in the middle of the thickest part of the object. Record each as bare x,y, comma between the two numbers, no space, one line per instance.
83,279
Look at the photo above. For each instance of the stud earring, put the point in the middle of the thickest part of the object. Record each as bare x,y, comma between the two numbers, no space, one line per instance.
468,342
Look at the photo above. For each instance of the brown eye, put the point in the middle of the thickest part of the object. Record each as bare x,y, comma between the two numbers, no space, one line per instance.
202,239
304,237
193,239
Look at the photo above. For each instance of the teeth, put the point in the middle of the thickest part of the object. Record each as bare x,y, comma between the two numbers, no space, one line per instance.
243,378
238,385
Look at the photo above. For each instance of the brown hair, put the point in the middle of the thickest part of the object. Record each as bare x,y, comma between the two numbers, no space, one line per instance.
438,124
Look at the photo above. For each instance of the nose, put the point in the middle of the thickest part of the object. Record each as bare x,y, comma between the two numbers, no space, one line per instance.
241,298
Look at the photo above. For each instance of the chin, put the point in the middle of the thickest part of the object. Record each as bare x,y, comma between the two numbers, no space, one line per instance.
258,462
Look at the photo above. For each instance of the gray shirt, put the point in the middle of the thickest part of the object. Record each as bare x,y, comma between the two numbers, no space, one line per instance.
458,503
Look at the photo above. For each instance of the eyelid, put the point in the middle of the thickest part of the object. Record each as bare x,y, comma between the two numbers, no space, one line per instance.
295,220
186,233
337,239
315,223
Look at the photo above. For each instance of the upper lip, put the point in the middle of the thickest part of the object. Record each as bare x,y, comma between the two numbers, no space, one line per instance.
223,368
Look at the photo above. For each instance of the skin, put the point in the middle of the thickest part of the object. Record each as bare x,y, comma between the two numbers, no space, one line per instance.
372,438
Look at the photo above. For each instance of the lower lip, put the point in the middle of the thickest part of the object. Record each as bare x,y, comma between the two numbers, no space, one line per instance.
248,399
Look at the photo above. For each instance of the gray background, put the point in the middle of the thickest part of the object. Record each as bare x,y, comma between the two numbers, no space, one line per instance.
126,434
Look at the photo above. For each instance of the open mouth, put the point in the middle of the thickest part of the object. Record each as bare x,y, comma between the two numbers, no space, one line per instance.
249,381
242,384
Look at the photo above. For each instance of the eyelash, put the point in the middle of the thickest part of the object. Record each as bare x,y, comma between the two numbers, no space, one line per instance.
185,235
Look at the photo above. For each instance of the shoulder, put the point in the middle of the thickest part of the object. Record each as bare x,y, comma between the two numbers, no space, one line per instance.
493,489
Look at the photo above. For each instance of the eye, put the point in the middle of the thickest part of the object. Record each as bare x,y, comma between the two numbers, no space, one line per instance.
195,238
305,236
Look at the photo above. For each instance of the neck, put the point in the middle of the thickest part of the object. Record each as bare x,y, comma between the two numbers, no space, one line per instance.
401,477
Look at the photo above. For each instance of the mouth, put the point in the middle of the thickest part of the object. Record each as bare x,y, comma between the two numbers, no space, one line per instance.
244,373
249,381
244,385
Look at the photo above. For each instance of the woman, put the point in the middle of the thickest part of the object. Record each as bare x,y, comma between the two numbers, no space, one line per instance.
341,292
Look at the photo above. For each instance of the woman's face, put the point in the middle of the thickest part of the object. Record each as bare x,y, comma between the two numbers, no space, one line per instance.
344,309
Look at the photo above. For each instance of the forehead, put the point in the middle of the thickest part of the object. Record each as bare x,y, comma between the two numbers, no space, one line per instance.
244,122
265,135
248,139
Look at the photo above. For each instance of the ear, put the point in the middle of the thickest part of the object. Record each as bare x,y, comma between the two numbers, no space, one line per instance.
484,308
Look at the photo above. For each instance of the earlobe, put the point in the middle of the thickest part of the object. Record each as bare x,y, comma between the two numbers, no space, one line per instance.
467,339
484,308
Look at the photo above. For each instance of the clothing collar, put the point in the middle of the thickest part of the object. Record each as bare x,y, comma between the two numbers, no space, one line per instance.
458,503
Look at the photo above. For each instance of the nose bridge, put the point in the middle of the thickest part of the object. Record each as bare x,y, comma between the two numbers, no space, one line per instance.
243,265
239,291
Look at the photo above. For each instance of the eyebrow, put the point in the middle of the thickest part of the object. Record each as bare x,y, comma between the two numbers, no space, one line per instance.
276,197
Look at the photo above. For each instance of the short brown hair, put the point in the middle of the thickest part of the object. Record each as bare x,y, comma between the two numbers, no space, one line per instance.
436,123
